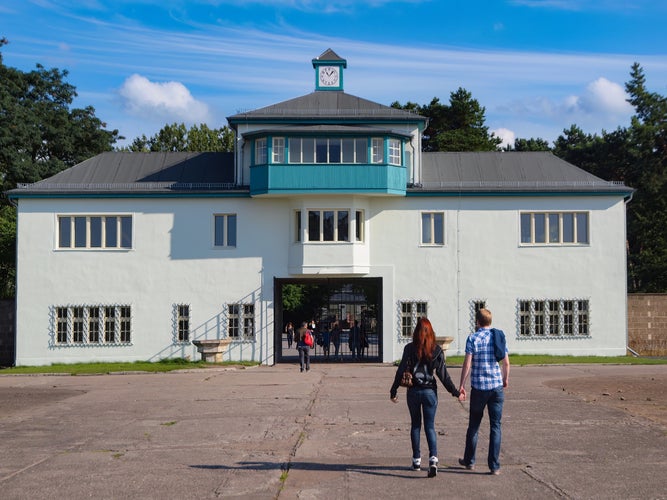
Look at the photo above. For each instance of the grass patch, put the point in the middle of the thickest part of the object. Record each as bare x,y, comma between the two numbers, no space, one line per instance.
544,359
164,365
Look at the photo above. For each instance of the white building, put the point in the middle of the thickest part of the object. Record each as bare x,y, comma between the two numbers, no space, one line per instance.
132,256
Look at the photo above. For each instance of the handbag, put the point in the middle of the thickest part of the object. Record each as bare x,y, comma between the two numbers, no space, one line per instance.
406,378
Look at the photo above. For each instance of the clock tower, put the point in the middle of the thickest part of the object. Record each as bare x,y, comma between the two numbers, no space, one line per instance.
329,71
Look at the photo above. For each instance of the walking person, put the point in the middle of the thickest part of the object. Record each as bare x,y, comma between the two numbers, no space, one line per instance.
304,344
335,339
426,360
487,381
289,329
354,340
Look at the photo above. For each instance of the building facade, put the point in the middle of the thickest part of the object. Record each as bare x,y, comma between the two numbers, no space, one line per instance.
133,256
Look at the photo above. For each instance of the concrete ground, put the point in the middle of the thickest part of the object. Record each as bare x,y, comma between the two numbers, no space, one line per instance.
331,433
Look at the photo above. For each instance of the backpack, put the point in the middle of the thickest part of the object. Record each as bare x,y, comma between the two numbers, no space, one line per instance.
499,344
308,339
422,374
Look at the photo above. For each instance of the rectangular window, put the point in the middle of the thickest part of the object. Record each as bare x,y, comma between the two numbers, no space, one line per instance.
329,225
92,325
410,312
321,151
224,230
351,150
61,325
554,228
553,318
125,324
260,151
241,321
278,150
433,228
360,151
348,151
334,150
78,325
377,150
297,225
359,226
394,152
182,313
95,232
110,325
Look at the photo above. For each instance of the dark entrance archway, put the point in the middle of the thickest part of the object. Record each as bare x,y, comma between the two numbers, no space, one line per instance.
329,301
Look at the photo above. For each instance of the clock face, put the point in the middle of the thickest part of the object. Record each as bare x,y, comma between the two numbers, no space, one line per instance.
328,76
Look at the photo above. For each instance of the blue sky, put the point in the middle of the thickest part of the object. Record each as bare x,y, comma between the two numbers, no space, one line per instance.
537,66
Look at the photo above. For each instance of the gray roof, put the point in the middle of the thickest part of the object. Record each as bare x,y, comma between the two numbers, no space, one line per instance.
120,172
329,56
508,171
333,106
442,173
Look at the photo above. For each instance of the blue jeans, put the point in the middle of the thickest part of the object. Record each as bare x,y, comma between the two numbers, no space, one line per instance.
423,400
493,400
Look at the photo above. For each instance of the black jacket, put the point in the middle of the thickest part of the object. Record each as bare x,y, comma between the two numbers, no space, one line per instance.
437,366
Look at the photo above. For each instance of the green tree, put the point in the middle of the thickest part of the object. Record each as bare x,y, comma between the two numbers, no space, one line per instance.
459,126
176,137
647,213
637,156
532,144
40,134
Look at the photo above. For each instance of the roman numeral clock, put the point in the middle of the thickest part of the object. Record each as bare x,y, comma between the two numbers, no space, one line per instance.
329,71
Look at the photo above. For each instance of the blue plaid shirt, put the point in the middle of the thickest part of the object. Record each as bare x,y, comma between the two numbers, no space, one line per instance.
485,373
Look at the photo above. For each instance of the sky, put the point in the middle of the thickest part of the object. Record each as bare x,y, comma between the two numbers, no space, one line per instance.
536,66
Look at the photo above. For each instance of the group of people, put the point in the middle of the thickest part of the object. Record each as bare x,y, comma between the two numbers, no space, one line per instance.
357,341
426,361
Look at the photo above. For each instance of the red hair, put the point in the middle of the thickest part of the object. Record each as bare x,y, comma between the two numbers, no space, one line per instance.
424,339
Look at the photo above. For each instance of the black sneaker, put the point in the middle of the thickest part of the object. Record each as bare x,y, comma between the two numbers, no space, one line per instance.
432,467
416,464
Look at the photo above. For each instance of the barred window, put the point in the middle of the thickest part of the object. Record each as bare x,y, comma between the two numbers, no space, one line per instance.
410,312
241,321
91,325
540,318
182,323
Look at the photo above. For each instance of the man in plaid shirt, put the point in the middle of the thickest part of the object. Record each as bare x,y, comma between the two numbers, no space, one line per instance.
487,381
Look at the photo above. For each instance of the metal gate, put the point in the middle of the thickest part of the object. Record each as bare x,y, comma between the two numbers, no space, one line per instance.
334,305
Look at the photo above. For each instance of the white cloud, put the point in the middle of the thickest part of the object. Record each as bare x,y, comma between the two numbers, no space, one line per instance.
169,100
506,135
601,96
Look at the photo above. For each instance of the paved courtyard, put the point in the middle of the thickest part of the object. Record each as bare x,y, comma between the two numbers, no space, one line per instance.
581,431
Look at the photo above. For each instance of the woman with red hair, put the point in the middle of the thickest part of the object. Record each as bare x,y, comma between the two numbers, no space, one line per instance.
426,360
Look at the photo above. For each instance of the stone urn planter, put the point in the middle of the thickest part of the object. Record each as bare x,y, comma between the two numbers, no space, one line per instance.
212,350
444,342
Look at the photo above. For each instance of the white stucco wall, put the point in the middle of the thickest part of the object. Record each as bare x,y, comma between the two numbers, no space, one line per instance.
173,262
482,259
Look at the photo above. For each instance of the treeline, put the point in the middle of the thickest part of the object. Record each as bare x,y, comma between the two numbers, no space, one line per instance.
41,134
